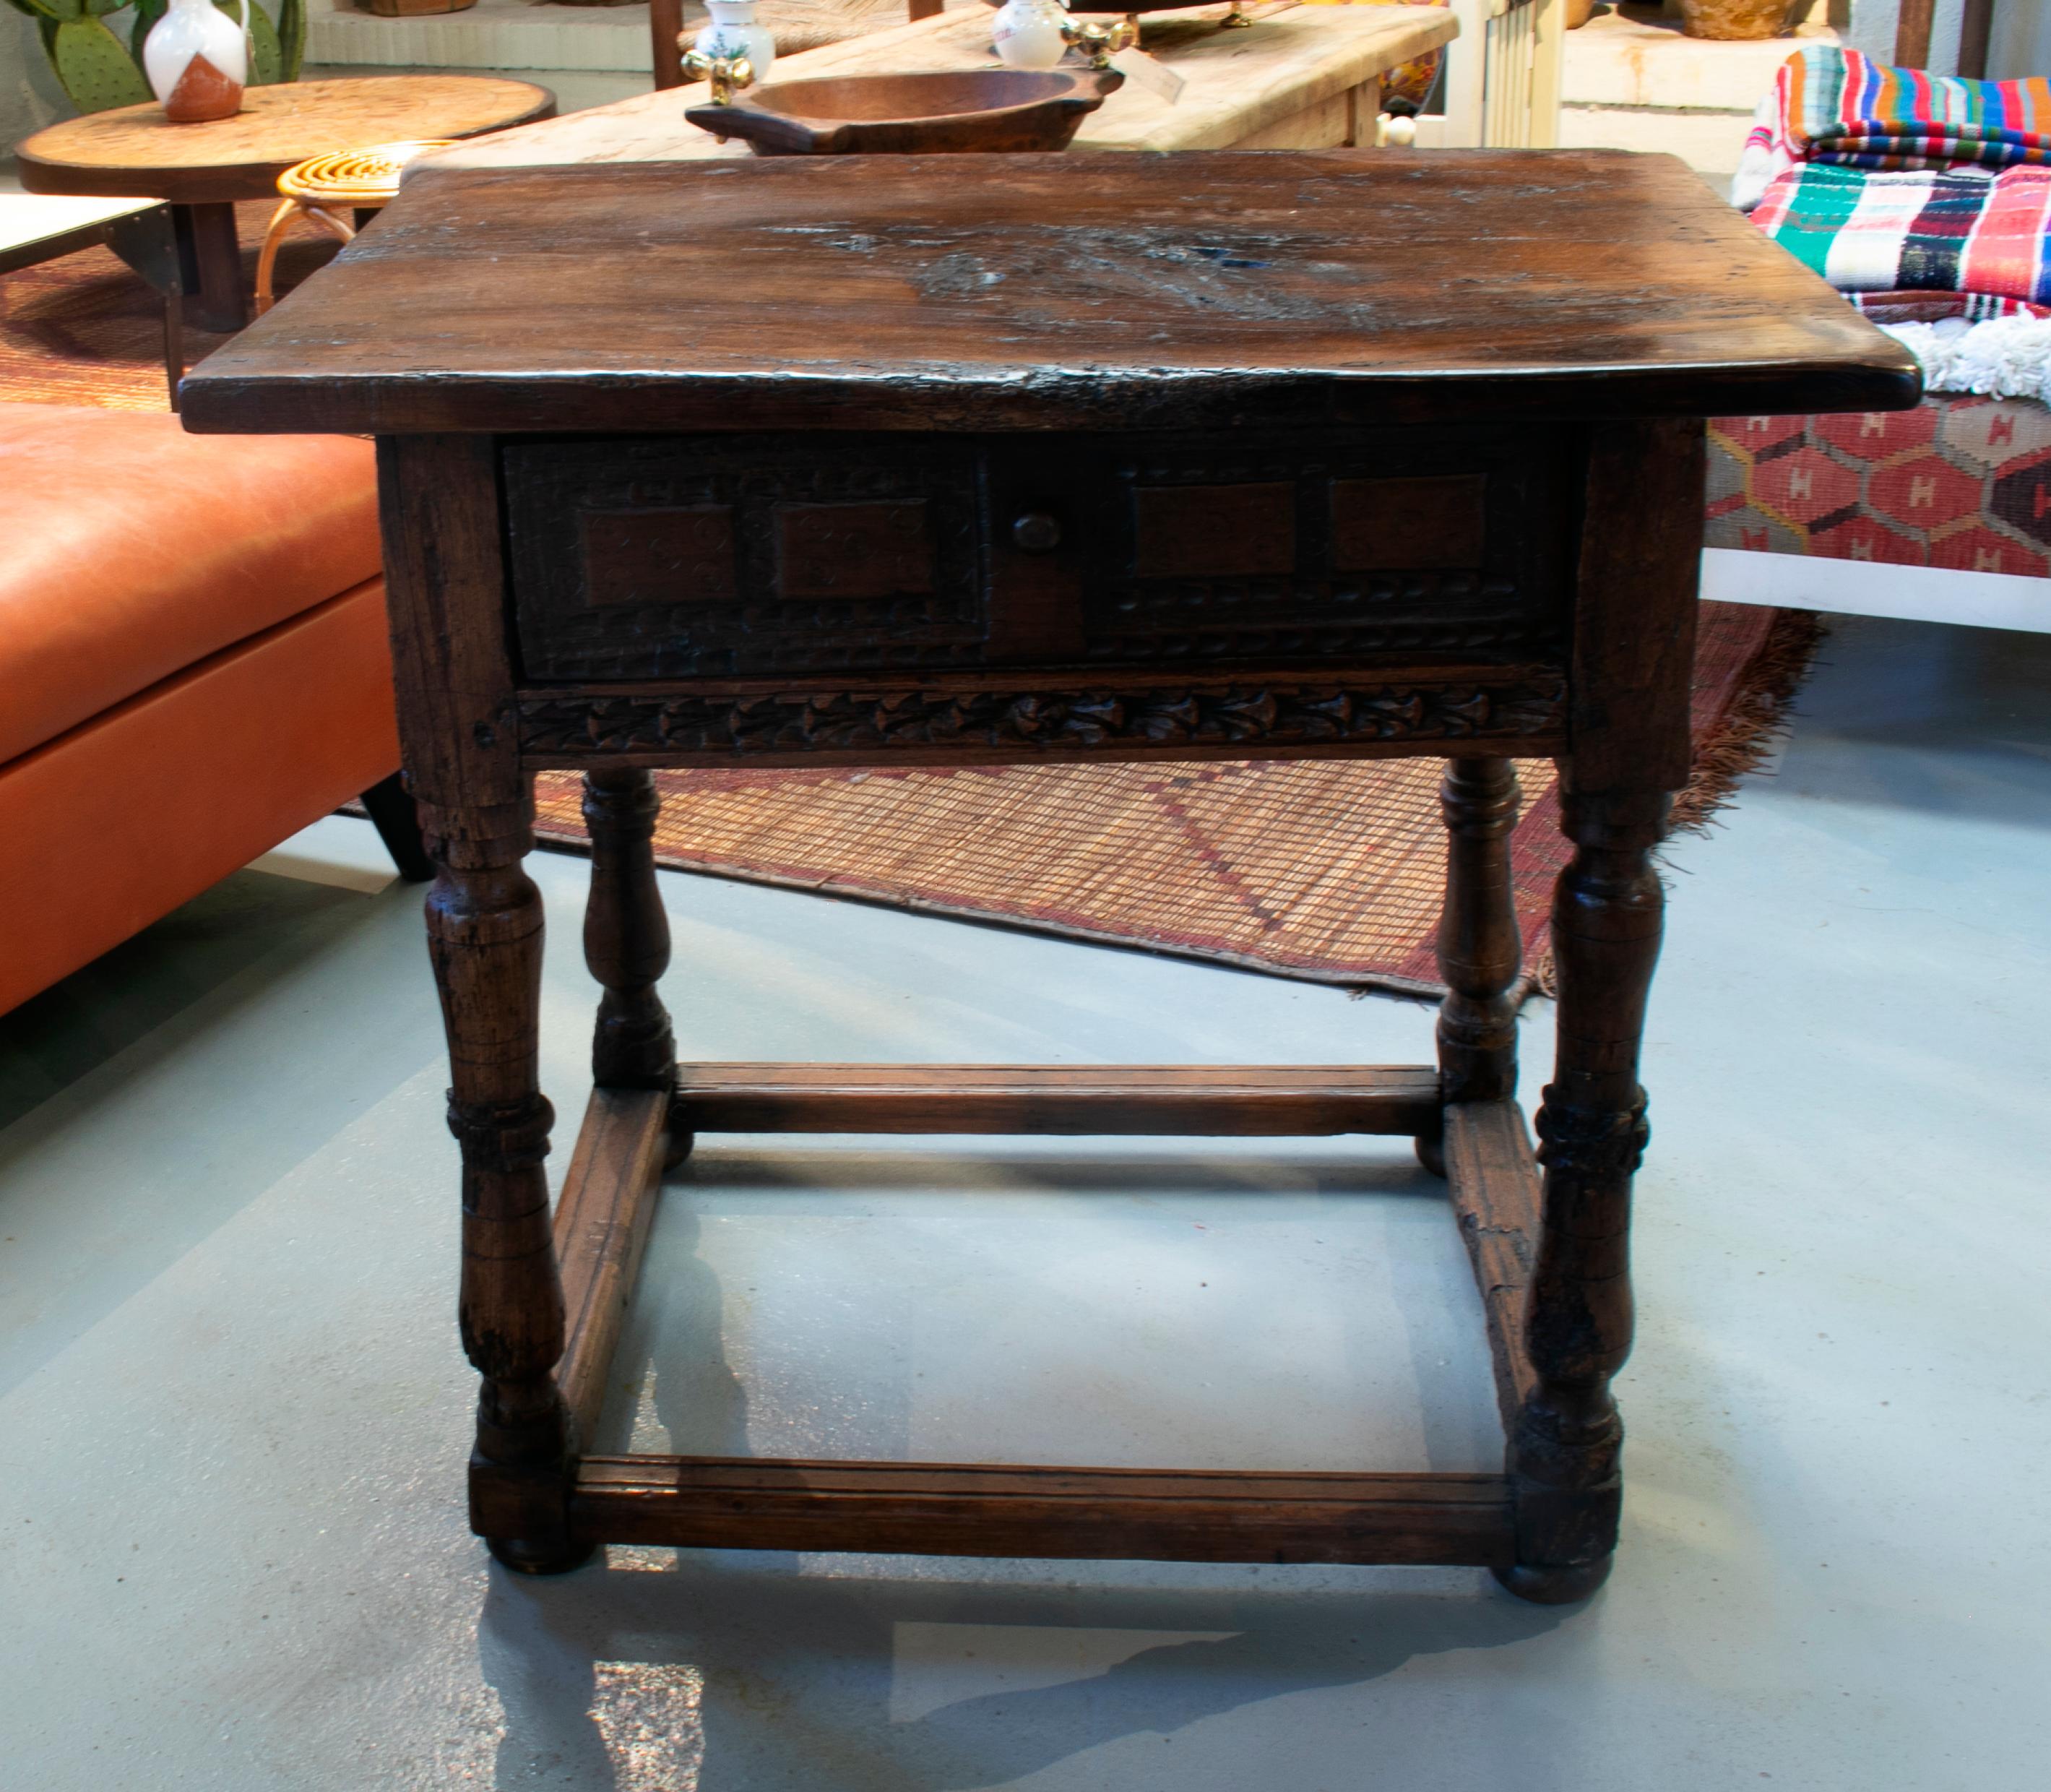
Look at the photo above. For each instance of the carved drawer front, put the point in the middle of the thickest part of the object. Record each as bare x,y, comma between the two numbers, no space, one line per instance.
663,558
1254,550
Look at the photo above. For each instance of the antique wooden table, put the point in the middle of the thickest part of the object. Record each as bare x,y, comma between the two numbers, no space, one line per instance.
1298,77
953,460
203,169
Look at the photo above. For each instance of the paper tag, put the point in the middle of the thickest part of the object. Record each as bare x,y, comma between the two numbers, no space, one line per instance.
1150,72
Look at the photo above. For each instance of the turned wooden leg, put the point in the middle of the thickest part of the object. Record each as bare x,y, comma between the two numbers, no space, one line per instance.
1478,946
1566,1447
627,939
626,933
484,935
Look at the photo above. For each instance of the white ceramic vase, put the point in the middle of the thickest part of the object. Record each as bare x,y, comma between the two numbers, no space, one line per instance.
734,31
197,60
1028,33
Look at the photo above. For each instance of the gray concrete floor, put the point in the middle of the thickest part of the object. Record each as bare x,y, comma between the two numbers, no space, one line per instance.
232,1409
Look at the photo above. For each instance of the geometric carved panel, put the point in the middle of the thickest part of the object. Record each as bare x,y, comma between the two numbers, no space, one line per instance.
1410,523
1215,531
683,557
852,551
1272,546
659,556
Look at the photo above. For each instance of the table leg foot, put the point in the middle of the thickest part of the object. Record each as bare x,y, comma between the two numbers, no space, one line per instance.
1563,1585
1431,1152
526,1558
681,1145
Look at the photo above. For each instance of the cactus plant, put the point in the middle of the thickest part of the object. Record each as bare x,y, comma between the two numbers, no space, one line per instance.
97,72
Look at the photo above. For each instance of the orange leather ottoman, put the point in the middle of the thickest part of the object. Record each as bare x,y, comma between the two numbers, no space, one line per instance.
192,666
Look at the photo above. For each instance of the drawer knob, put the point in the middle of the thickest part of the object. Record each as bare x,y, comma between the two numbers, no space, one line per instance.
1036,532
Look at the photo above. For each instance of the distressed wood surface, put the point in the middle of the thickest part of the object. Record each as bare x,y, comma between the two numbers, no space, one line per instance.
1492,1179
1234,336
987,1509
601,1230
133,149
1241,1101
1236,83
945,293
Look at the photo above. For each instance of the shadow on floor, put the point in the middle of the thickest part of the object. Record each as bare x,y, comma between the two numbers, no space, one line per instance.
632,1680
72,1028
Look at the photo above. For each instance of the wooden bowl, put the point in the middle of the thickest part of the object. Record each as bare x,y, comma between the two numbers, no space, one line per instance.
972,110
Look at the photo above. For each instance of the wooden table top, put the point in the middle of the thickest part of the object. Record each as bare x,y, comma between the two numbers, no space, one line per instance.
133,149
1235,83
1039,291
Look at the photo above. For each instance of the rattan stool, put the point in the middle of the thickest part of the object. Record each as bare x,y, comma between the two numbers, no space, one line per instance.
325,188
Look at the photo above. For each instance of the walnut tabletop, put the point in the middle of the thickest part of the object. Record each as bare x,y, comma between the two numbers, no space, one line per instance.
1021,291
1298,77
203,169
959,460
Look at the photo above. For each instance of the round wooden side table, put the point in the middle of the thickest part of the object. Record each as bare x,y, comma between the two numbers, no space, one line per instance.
203,169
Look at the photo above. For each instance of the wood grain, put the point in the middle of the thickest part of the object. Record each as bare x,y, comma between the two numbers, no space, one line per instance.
1913,22
1238,1101
1975,30
1492,1181
1635,626
601,1230
132,149
981,1509
1236,85
1037,291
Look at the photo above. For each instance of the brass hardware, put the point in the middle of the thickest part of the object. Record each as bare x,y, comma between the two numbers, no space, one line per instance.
1036,532
1236,20
727,75
1099,43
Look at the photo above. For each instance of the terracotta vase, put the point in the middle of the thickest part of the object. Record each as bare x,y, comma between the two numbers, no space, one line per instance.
197,60
1734,18
1579,12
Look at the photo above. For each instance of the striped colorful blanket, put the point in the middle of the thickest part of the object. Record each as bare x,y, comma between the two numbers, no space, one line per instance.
1834,105
1942,308
1953,230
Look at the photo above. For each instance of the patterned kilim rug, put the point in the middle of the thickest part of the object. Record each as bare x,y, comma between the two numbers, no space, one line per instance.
1323,870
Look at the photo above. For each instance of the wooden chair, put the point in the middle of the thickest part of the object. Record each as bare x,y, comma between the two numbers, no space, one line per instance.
666,23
